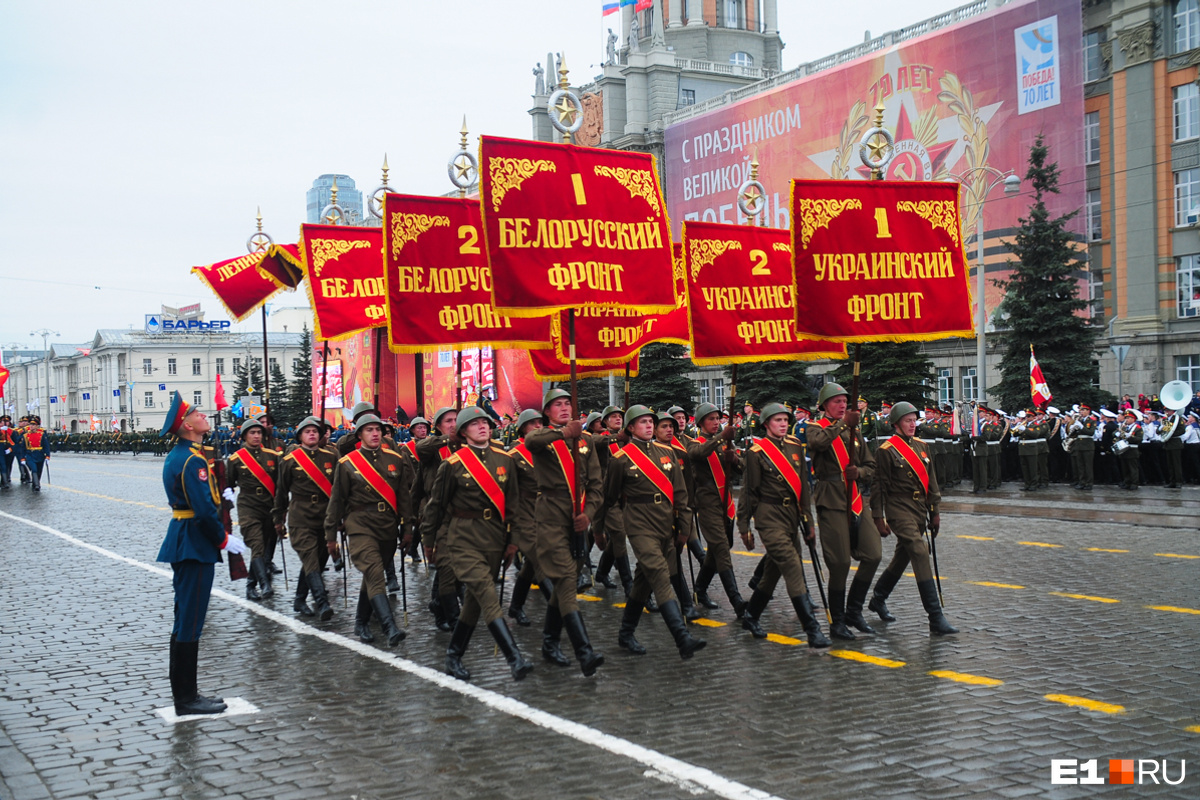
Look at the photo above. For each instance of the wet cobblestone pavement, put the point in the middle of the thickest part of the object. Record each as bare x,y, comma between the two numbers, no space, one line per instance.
1079,638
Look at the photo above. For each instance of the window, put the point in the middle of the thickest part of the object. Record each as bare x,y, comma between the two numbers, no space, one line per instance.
1186,106
1187,25
1091,137
148,400
945,386
1187,285
171,370
733,14
1187,369
687,97
237,365
147,367
1187,196
719,393
195,366
741,59
1095,374
220,366
197,398
1093,61
1096,290
704,391
969,391
1095,231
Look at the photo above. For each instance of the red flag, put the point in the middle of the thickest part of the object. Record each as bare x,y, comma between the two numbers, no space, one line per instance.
219,395
3,376
1037,382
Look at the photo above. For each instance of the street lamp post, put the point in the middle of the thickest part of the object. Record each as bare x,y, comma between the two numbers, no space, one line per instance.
46,333
1012,185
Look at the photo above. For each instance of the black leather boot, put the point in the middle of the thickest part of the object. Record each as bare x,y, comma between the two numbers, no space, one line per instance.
258,568
603,569
450,608
439,613
520,592
673,616
703,579
454,651
298,604
316,585
186,698
362,618
854,605
584,582
938,624
837,612
629,622
508,646
379,603
758,573
883,590
696,548
808,620
729,581
252,583
690,612
626,574
393,585
552,636
754,609
589,659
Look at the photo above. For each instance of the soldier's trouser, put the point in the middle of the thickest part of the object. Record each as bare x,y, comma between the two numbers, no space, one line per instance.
445,579
6,460
477,569
614,529
835,546
1029,469
554,558
1174,465
389,556
994,476
254,523
193,586
655,553
911,548
712,527
309,543
1043,468
366,554
782,559
979,471
1129,467
1084,464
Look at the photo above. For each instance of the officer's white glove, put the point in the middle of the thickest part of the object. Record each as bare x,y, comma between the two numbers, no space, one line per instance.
234,545
228,495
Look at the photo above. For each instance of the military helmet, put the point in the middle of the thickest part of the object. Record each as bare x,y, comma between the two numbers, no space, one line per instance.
704,409
771,409
667,416
418,421
673,410
592,417
468,415
441,412
901,410
830,390
368,419
635,412
553,395
309,422
527,416
360,409
611,410
249,425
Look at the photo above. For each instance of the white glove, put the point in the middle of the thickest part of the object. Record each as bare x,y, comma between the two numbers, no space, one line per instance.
228,495
235,545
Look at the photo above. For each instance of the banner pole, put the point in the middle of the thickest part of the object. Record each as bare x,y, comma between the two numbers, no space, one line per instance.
626,385
266,368
324,378
375,376
458,383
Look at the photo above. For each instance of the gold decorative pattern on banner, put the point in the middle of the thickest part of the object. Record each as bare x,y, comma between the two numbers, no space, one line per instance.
816,214
938,213
781,247
407,227
509,173
702,252
848,141
638,182
325,250
677,269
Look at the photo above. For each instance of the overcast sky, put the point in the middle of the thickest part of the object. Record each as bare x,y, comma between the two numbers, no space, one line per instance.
138,138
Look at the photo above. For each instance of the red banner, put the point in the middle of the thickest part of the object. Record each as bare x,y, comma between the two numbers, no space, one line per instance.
344,268
547,366
439,284
569,227
238,284
741,303
282,265
879,261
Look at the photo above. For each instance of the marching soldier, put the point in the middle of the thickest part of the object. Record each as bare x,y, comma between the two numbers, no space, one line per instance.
475,494
568,477
418,429
843,539
431,452
301,499
1130,435
33,449
666,433
8,451
684,435
904,499
252,471
979,451
714,503
1082,435
996,433
350,442
776,495
370,500
616,554
644,478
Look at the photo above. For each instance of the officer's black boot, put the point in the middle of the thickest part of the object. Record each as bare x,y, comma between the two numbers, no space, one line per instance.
379,603
259,570
702,583
456,648
362,618
604,568
629,623
672,614
187,699
754,609
837,612
696,548
252,583
584,582
551,636
938,624
589,659
883,590
298,604
626,574
690,612
516,606
35,478
508,646
729,581
808,620
316,585
435,608
450,608
389,569
758,573
854,605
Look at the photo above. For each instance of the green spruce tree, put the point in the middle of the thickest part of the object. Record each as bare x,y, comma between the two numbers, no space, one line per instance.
300,389
1041,305
772,382
281,400
892,371
593,393
249,376
662,380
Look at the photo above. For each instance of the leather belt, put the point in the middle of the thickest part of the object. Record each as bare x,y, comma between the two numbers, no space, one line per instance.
656,499
529,495
927,441
459,514
555,493
318,498
778,501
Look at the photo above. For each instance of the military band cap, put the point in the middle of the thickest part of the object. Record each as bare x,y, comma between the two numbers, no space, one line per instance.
527,416
900,411
635,413
309,422
774,409
469,415
441,412
1105,412
179,410
368,419
360,409
250,425
704,409
553,395
1052,410
829,391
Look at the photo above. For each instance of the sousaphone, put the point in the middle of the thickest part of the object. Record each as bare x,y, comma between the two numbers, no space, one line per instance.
1175,395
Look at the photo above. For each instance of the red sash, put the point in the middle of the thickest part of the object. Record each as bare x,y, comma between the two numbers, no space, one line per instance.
484,478
902,447
614,448
566,460
372,477
776,457
445,453
718,473
310,469
651,470
678,445
256,469
411,444
843,459
524,451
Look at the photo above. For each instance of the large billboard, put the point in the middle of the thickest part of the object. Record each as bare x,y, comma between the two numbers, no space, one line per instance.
959,101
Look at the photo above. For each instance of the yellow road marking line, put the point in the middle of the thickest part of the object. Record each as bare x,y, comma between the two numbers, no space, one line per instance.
1083,702
777,639
978,538
963,677
1105,550
622,605
997,585
1086,597
746,553
1040,544
1176,609
114,499
709,623
1175,555
1192,729
587,597
854,655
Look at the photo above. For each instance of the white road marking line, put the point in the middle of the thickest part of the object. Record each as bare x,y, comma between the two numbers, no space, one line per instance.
659,765
235,706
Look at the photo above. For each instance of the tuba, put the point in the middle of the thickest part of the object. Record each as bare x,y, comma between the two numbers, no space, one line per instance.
1175,395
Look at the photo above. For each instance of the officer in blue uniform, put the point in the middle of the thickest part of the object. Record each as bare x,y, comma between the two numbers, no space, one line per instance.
193,543
8,451
33,449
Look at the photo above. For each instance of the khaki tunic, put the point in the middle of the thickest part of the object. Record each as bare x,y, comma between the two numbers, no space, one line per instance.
431,452
614,520
302,503
768,498
254,501
709,503
898,496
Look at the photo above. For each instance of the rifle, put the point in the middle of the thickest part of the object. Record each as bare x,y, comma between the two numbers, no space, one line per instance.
936,575
283,557
691,560
345,571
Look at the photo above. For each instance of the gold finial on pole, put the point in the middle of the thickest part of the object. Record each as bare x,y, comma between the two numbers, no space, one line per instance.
385,169
463,134
333,192
463,167
260,241
752,196
259,213
565,107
